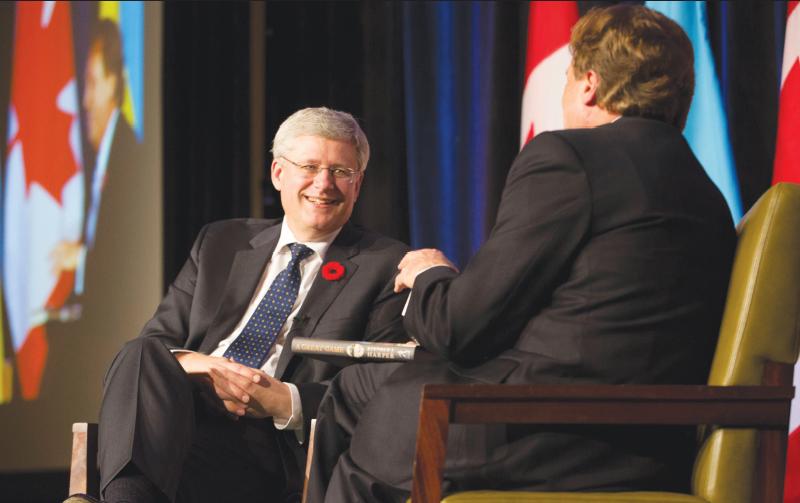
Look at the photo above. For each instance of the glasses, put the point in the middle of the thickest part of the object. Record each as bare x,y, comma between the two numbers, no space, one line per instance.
312,170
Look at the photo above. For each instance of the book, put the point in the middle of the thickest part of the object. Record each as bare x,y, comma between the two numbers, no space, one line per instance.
346,352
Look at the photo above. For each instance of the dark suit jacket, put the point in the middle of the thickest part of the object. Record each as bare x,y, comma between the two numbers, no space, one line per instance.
202,306
124,156
215,285
608,263
117,236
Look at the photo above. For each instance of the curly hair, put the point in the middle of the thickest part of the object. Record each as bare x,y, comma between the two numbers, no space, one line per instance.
644,59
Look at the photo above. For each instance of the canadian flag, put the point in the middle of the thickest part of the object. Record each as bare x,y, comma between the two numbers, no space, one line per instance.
787,148
546,64
43,186
787,169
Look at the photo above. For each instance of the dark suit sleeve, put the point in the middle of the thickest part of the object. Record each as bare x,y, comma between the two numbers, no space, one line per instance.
385,321
384,324
170,323
544,216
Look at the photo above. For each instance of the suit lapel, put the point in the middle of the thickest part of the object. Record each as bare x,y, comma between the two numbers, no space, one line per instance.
246,271
322,292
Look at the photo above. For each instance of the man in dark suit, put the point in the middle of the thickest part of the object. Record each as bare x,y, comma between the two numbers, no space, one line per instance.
608,263
210,403
114,181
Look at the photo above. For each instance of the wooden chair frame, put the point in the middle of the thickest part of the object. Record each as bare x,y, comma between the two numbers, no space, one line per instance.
83,474
764,408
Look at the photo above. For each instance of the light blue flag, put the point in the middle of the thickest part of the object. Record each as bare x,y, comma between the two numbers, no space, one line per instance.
131,27
707,127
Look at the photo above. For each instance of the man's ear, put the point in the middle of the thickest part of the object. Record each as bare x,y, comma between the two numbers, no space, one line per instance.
358,181
276,174
589,85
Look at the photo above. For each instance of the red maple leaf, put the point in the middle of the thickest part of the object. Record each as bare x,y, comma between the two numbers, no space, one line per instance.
43,67
787,150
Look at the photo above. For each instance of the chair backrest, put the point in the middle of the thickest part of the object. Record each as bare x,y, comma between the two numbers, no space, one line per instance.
760,324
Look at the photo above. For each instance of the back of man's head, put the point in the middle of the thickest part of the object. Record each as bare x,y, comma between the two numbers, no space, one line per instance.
326,123
644,59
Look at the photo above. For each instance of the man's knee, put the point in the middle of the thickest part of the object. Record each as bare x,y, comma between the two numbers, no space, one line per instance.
139,354
142,346
357,384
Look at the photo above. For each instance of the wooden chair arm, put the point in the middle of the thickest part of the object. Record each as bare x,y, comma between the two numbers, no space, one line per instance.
746,406
759,407
83,474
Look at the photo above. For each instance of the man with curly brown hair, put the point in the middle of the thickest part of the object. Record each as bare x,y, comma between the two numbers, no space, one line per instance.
608,263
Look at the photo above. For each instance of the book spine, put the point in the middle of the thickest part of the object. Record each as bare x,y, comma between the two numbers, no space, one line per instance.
354,349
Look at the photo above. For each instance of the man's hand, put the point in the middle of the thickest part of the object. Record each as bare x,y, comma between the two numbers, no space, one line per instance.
65,256
417,261
269,396
208,370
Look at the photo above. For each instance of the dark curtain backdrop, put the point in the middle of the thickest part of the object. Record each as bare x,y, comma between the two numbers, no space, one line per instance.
437,87
462,64
747,40
206,107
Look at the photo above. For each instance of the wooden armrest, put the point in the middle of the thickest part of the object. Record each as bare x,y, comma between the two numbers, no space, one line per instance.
309,460
83,474
752,406
765,408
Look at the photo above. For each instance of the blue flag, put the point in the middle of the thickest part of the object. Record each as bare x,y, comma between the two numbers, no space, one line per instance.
707,127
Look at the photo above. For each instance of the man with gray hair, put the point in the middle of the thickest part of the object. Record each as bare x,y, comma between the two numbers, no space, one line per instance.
209,403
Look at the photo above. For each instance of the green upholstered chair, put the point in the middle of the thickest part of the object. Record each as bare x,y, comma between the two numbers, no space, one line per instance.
745,405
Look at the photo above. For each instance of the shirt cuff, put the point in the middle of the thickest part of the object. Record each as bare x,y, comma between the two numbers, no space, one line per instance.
405,306
408,299
296,421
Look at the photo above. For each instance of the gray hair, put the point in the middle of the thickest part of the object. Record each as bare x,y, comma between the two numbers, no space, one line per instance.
324,122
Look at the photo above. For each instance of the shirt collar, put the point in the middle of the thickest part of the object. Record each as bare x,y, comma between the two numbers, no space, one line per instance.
104,148
287,237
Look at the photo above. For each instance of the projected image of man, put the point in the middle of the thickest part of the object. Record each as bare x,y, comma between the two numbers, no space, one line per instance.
110,137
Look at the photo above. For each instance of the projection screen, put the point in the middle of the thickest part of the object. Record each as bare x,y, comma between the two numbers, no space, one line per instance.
81,226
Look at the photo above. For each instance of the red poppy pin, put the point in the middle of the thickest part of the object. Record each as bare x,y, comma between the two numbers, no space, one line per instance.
333,271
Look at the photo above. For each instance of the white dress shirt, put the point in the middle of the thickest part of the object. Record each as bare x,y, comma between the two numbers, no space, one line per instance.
308,271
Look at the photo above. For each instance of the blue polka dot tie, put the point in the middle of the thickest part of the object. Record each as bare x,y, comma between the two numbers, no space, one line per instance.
253,344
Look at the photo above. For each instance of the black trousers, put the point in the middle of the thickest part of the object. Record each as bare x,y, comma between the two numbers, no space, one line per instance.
348,395
154,416
366,427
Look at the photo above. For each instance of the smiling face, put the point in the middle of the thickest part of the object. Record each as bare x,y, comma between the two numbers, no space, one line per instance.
316,206
98,96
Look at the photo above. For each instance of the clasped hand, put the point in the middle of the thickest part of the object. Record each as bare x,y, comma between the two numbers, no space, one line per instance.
244,391
65,256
